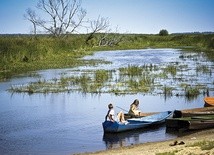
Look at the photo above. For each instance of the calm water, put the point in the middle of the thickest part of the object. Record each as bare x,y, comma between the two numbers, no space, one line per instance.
67,123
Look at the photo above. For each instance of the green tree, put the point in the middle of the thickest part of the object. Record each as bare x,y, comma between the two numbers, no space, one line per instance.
163,32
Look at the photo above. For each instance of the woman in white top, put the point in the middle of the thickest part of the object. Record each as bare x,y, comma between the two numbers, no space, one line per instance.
111,115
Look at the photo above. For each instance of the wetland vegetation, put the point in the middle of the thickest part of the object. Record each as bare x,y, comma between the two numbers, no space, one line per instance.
131,79
26,53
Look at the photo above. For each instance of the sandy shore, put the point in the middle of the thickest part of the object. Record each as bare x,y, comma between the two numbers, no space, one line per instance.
205,138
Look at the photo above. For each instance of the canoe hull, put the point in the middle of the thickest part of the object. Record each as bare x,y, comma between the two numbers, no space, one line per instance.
198,125
191,123
135,123
154,119
179,114
115,127
209,101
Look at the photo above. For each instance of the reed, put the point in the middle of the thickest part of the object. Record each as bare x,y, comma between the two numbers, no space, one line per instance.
171,69
131,70
143,84
203,69
101,76
167,91
84,82
191,91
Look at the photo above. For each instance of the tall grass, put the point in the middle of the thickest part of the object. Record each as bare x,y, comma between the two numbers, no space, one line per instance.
131,70
171,69
191,92
23,53
20,54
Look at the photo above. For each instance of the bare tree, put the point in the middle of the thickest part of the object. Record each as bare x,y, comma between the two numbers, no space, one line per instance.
63,16
110,38
96,26
31,16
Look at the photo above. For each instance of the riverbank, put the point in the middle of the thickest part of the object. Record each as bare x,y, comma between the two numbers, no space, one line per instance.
26,53
200,142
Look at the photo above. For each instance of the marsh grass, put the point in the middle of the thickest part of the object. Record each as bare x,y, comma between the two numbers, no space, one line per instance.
97,81
101,76
203,69
21,54
83,83
191,91
171,69
167,91
39,87
130,79
131,70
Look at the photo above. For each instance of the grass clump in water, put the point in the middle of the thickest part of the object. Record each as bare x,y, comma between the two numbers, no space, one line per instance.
101,76
192,91
203,69
41,86
167,91
171,69
131,70
143,84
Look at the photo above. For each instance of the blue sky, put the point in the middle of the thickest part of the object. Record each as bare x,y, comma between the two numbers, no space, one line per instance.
132,16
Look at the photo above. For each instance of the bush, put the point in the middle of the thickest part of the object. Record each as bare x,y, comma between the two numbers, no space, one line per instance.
163,32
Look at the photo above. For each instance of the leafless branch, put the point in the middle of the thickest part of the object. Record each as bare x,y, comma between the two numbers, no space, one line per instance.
60,16
101,24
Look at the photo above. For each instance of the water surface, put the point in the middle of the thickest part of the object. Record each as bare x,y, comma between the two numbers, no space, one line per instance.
66,123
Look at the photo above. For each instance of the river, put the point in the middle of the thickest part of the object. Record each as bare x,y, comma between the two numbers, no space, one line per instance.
71,122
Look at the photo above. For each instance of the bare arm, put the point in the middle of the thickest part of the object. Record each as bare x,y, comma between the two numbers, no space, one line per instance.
111,118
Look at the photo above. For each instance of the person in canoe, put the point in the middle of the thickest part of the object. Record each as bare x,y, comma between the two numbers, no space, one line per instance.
134,108
111,115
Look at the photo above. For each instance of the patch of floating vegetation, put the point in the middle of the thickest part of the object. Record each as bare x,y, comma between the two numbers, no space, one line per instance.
132,79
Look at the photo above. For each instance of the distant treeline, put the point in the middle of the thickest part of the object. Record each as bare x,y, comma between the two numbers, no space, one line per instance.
208,32
21,53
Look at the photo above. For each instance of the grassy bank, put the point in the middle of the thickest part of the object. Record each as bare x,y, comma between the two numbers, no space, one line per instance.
22,53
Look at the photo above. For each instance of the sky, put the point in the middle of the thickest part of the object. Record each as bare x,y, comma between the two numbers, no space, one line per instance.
130,16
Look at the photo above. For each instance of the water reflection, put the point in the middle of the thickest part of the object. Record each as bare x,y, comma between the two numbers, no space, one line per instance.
115,140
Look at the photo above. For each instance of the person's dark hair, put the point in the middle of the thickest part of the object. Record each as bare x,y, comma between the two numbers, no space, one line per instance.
136,102
110,106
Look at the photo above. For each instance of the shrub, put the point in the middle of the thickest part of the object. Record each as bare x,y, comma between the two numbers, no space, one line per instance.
163,32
